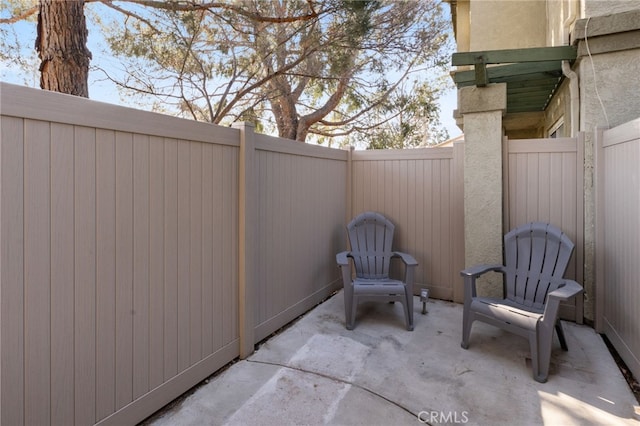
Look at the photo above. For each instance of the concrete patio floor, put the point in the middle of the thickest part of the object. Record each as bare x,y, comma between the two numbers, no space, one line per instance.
317,372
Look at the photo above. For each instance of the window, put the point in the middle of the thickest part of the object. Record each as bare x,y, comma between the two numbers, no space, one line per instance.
557,130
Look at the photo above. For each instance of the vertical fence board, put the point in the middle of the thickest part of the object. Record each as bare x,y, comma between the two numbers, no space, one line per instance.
85,275
141,219
226,297
124,269
105,273
232,217
37,294
171,259
218,248
156,261
184,345
206,302
195,253
12,270
62,253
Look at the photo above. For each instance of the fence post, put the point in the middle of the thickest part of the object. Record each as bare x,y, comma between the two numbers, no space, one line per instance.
349,212
599,178
246,236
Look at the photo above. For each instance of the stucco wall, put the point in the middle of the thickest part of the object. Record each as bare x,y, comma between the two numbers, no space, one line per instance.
616,84
507,24
607,7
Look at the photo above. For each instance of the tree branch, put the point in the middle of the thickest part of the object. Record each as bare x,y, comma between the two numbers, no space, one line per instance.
184,6
23,15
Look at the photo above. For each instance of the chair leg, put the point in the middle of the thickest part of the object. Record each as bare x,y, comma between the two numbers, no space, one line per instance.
467,320
352,317
563,340
349,312
535,363
540,343
409,311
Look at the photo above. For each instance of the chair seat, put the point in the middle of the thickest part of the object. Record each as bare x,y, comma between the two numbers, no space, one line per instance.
378,286
506,311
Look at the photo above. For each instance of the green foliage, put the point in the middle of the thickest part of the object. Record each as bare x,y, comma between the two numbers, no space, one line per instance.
359,70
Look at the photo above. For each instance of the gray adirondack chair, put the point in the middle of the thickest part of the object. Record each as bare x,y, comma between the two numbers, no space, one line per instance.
370,237
536,257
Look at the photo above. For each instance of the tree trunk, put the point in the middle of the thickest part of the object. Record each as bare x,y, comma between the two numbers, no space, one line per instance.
62,47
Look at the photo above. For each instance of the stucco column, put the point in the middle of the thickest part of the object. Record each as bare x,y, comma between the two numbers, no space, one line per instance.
482,109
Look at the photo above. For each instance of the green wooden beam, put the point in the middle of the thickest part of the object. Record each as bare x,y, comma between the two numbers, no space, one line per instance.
511,70
534,54
532,89
527,103
526,78
534,94
532,75
532,82
524,109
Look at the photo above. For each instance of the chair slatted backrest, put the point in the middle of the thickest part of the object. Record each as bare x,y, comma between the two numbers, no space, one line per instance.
371,236
536,258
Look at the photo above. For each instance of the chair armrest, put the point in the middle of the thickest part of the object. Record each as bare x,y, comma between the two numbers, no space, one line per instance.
567,291
342,258
406,258
477,270
469,277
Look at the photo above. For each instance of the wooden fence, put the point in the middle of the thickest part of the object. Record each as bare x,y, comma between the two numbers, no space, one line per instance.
618,240
299,214
118,259
543,181
140,253
422,192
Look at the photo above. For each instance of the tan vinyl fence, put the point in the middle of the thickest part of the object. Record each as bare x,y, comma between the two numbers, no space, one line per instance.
543,181
301,200
618,240
422,192
140,253
118,260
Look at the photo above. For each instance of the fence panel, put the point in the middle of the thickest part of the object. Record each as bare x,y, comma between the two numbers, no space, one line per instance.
123,274
421,192
119,275
544,182
301,204
618,240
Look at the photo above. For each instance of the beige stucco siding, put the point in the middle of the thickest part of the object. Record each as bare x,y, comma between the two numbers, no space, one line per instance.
513,24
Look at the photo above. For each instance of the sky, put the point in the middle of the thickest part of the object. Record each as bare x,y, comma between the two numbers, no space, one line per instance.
448,103
105,91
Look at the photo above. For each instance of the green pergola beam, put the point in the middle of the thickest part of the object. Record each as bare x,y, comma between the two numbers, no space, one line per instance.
527,83
532,75
534,54
512,70
536,95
